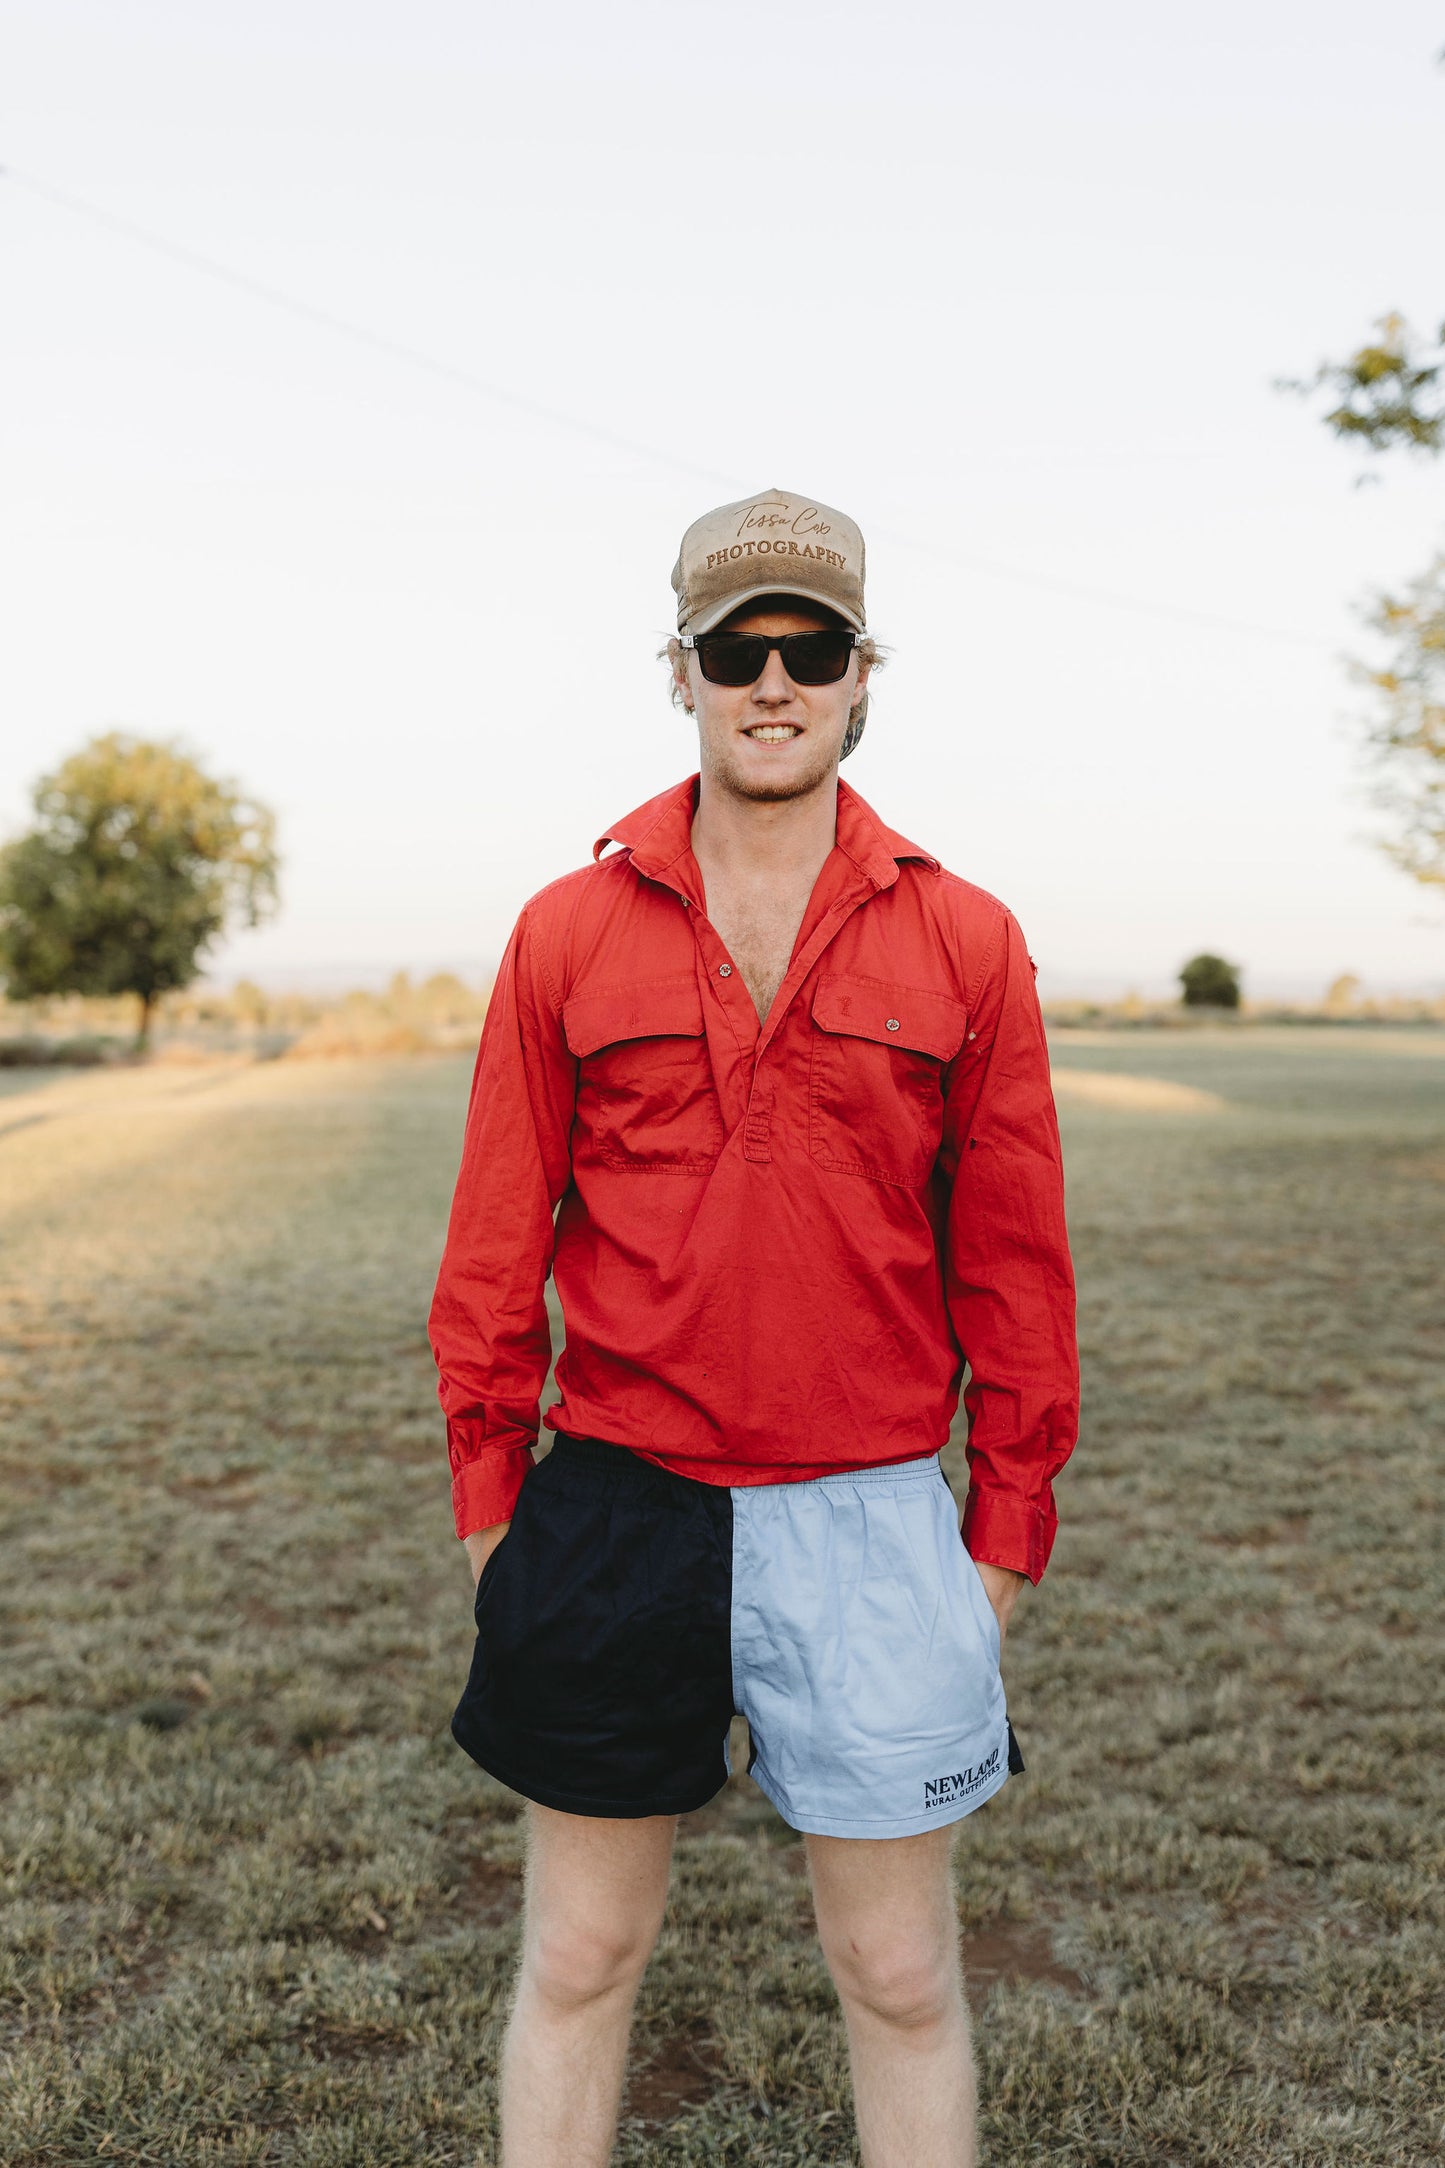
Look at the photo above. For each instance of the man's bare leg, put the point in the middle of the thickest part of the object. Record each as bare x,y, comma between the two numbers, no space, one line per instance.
595,1894
889,1930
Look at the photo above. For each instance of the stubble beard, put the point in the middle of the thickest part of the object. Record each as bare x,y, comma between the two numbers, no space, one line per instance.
728,776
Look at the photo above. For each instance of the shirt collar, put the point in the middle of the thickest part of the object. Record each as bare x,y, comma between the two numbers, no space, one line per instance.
659,833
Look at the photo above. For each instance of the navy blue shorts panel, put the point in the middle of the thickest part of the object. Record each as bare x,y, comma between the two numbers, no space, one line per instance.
601,1680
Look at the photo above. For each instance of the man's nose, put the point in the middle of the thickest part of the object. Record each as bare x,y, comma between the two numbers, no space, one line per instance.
774,688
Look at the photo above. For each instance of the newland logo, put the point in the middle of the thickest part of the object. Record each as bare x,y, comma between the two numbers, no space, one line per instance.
943,1791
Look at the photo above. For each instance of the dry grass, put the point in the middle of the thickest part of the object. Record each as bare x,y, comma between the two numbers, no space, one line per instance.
258,1909
1133,1094
202,1023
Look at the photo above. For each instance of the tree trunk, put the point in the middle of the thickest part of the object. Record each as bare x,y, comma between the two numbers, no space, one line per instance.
143,1035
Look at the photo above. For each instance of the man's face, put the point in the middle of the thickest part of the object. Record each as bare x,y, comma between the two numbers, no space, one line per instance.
773,740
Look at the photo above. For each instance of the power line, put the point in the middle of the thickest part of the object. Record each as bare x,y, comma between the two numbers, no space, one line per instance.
451,372
378,341
1075,591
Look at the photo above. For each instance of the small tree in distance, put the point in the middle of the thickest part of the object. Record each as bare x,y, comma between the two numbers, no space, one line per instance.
1208,982
137,861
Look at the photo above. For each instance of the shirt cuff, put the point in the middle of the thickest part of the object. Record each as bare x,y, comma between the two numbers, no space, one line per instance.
485,1490
1000,1529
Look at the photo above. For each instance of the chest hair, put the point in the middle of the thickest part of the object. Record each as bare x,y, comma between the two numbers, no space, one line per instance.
758,924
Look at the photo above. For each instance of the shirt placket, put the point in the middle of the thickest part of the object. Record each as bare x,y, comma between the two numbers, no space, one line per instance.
754,1037
737,1007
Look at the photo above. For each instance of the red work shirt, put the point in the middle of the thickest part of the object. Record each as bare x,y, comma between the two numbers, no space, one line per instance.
775,1244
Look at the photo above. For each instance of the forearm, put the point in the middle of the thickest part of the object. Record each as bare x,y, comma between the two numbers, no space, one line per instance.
1002,1589
481,1544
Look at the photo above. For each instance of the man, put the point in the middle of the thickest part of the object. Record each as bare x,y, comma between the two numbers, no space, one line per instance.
783,1082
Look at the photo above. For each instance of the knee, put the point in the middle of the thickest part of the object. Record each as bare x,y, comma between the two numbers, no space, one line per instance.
898,1983
572,1963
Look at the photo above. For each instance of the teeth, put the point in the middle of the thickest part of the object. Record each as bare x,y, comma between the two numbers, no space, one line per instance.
773,733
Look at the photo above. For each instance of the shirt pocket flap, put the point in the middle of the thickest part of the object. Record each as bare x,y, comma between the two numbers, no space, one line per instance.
647,1009
924,1022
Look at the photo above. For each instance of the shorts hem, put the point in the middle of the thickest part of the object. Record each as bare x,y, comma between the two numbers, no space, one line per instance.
902,1825
610,1810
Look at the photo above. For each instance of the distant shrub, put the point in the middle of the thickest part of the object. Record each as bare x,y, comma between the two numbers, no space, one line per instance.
37,1053
1208,982
25,1053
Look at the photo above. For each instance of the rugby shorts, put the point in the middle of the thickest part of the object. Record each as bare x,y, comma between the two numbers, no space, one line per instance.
629,1613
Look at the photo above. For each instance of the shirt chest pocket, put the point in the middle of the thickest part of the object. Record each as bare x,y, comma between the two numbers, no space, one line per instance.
646,1102
876,1087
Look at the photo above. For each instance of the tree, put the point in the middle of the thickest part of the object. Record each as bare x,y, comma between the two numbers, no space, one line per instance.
1208,982
1407,732
1391,395
137,861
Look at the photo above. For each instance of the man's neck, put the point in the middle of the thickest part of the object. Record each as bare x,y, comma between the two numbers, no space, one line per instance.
753,841
760,863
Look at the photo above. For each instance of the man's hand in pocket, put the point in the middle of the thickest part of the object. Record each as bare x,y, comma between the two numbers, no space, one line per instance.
1001,1588
481,1545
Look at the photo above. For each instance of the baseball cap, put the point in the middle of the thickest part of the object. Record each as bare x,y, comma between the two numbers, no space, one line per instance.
775,543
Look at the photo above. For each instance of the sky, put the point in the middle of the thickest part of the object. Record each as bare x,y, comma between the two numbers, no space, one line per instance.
1012,287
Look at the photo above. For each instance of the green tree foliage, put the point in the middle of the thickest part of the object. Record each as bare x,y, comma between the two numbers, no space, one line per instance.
1391,394
1208,982
1407,733
137,861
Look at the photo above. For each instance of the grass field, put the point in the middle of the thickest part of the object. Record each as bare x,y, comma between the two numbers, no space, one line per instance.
256,1906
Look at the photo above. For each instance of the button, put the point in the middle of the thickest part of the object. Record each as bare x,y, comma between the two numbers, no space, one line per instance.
724,971
893,1023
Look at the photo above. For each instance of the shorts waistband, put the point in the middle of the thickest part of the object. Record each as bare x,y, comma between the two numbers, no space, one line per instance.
595,1456
606,1463
893,1475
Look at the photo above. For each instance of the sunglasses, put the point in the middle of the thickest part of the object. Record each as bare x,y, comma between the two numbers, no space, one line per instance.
740,658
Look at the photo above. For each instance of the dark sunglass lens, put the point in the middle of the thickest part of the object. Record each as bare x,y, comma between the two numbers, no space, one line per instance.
732,658
816,658
740,658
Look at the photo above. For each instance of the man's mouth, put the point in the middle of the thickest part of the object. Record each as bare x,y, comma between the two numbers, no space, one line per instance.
773,733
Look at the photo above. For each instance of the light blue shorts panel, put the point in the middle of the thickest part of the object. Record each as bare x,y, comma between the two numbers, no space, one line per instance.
865,1653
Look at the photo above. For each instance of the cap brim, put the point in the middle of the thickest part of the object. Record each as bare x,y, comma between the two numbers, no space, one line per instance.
708,620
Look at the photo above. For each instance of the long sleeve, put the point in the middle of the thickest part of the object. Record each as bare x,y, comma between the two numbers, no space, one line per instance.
488,1323
1008,1278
